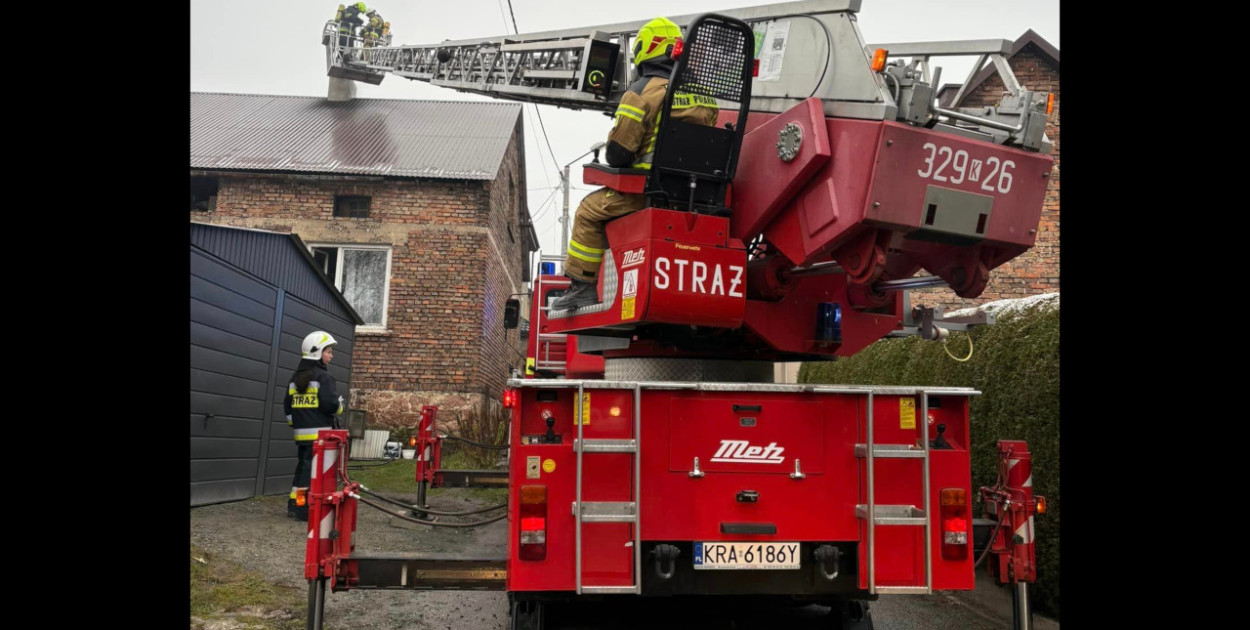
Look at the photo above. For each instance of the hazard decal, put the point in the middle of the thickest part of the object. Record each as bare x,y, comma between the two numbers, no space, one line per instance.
629,284
906,413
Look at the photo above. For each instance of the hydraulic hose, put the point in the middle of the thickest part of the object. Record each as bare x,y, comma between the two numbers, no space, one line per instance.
493,447
372,464
433,523
409,506
994,536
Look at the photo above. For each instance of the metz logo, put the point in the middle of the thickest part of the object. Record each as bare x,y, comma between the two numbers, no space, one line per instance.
741,452
633,257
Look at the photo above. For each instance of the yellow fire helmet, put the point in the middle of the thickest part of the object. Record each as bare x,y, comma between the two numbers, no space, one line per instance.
656,40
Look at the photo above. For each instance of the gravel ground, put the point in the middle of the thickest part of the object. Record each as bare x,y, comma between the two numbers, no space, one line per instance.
257,534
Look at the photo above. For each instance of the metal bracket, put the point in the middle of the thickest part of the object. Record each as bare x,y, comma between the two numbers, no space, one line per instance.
931,324
696,473
798,473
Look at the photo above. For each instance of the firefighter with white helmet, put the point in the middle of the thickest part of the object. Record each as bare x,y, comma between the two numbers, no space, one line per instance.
631,143
311,404
373,29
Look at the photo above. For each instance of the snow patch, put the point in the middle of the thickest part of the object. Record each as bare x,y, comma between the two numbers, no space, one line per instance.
1047,301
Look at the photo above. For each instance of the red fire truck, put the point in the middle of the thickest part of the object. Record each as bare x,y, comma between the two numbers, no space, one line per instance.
650,454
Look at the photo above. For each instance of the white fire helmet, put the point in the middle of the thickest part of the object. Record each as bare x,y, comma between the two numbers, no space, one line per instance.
315,342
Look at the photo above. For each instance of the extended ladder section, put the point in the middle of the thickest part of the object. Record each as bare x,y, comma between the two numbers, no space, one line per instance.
590,512
896,515
804,49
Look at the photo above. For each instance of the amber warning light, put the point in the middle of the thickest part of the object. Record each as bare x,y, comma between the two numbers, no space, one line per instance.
878,59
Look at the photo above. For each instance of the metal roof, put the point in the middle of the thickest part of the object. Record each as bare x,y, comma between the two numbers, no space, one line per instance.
269,256
397,138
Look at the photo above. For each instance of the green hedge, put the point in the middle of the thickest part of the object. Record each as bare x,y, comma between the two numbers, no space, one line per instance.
1015,364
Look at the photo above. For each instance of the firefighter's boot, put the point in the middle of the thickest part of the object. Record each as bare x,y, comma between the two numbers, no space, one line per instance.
580,294
297,512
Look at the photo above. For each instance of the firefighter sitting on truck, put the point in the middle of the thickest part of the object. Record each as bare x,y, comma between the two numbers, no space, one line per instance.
630,143
311,404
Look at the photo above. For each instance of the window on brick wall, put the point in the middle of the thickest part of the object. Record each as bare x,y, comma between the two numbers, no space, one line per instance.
351,206
363,274
203,194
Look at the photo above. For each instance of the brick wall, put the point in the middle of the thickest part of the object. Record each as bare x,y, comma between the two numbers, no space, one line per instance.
453,264
1037,270
498,352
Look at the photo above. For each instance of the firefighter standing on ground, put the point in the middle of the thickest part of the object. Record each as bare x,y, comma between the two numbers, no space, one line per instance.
630,143
311,404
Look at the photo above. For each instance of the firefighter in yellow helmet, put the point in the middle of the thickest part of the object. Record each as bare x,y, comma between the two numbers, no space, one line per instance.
349,20
631,143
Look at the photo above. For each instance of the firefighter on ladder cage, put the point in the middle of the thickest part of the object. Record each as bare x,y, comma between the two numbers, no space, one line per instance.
373,29
631,143
349,20
311,404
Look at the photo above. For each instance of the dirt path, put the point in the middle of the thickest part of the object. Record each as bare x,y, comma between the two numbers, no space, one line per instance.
258,535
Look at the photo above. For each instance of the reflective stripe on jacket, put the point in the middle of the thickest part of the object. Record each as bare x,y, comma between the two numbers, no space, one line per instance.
313,409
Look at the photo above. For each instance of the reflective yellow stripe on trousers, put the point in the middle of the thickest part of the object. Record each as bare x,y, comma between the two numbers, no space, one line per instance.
582,252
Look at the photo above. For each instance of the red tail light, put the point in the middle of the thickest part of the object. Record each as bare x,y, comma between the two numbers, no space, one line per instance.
509,398
954,524
533,543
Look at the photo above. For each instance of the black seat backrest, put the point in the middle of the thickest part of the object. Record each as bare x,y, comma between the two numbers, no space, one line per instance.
717,63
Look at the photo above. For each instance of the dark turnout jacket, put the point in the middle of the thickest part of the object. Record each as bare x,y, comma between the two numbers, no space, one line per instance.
314,408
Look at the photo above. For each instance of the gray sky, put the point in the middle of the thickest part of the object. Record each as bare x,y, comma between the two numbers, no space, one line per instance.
274,47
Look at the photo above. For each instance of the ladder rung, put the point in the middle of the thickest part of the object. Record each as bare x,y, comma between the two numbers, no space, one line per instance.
610,590
893,514
608,512
903,590
608,446
889,451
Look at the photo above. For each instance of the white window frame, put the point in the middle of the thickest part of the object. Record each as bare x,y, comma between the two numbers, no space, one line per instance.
338,278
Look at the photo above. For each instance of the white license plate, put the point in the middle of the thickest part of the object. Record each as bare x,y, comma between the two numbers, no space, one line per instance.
746,555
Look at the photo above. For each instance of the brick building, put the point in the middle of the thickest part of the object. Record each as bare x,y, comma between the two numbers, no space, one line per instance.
1035,63
415,210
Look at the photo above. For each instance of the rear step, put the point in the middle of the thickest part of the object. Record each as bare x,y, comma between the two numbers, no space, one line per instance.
608,512
430,571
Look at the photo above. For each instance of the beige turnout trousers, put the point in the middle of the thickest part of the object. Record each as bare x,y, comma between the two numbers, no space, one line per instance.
589,238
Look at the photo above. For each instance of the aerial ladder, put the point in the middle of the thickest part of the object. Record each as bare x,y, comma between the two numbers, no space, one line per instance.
587,68
831,180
